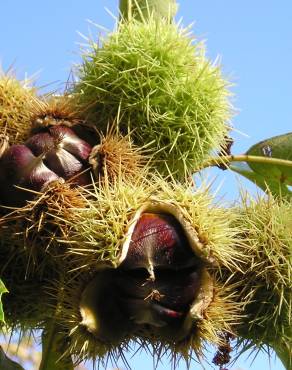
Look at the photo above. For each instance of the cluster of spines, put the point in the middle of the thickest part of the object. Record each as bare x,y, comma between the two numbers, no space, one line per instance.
264,284
97,234
99,229
17,99
116,156
166,93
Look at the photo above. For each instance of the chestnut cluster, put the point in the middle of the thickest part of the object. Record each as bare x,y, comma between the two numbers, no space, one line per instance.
52,153
160,277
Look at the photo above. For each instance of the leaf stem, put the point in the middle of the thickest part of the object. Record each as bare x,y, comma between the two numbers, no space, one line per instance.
227,159
142,9
53,357
48,337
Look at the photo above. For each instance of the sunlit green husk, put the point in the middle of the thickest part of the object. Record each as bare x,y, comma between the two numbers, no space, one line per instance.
156,78
265,288
16,101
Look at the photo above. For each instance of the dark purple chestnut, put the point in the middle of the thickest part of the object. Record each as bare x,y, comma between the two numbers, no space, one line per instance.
65,153
20,168
71,142
40,143
52,153
158,241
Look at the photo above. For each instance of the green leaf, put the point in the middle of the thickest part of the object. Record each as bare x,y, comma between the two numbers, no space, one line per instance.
268,185
3,289
275,147
272,177
6,363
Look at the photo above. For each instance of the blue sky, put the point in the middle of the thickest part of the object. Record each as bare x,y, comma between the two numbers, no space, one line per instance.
253,39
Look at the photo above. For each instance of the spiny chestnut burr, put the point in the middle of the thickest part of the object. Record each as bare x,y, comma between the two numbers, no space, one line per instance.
51,154
190,310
